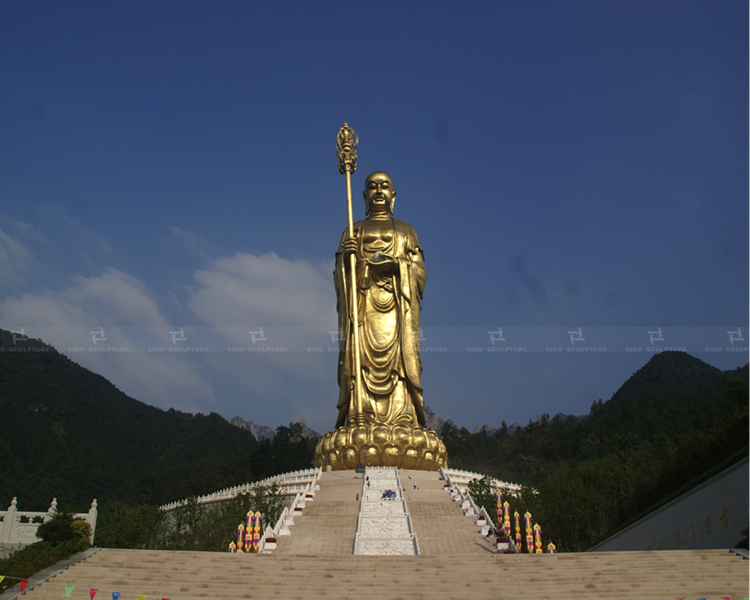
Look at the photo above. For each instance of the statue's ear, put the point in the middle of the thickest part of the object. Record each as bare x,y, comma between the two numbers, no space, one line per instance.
393,202
367,206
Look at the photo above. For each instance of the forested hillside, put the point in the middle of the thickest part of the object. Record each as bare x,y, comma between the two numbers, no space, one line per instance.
69,433
673,422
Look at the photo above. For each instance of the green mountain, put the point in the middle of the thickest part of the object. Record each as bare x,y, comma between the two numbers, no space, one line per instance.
674,393
69,433
673,423
670,374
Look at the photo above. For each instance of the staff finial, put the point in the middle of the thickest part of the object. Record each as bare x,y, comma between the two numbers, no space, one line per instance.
346,149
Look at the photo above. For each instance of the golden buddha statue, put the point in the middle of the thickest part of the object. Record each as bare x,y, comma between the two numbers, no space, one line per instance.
390,278
381,416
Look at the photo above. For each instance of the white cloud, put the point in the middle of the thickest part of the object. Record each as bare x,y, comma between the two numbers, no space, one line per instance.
267,290
114,298
26,229
74,229
192,242
122,307
15,259
295,303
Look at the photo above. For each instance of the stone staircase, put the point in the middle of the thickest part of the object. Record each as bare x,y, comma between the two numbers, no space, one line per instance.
440,525
384,526
327,525
316,561
666,575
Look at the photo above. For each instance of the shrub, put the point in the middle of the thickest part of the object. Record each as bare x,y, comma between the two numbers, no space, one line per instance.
82,531
37,557
121,525
58,529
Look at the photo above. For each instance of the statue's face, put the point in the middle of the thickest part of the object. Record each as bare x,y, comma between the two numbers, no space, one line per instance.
379,191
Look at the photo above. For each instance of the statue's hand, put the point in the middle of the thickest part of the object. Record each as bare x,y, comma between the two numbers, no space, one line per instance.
350,246
383,258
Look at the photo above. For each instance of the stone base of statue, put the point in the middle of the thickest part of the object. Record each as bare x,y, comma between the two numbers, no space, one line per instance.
381,445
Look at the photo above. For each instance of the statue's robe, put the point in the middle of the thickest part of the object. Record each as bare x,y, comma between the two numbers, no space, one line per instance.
389,302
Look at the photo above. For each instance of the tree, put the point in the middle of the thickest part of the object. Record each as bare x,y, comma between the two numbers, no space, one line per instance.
737,392
483,494
211,527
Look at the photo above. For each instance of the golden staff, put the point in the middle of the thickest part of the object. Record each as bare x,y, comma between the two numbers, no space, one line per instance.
346,152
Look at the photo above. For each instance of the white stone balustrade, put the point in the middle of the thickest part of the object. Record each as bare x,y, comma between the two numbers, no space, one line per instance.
459,479
287,517
470,509
18,528
289,484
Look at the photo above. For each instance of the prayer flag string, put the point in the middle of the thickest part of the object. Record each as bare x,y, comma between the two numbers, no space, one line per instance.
69,589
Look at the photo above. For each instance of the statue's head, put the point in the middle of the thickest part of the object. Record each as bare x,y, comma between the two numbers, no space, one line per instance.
379,192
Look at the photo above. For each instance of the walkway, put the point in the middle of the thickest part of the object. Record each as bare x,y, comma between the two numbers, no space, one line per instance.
328,523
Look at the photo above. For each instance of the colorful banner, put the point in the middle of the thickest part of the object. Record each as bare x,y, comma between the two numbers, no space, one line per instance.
92,593
115,595
24,583
69,590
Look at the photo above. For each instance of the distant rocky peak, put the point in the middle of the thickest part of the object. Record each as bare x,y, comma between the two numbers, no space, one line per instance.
306,431
264,432
433,421
484,429
260,432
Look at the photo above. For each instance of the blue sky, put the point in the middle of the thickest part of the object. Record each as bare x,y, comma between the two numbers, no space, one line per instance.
577,173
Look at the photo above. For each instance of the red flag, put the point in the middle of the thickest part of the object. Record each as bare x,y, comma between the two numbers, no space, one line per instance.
24,583
92,593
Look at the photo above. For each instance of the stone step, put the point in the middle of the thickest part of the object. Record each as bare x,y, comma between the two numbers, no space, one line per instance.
438,588
442,575
328,524
458,594
438,522
176,562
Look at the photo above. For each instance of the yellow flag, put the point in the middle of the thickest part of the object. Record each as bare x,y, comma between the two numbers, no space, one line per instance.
2,577
141,597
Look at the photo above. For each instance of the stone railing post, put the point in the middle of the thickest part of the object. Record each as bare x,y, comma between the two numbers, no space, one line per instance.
9,524
91,519
52,510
